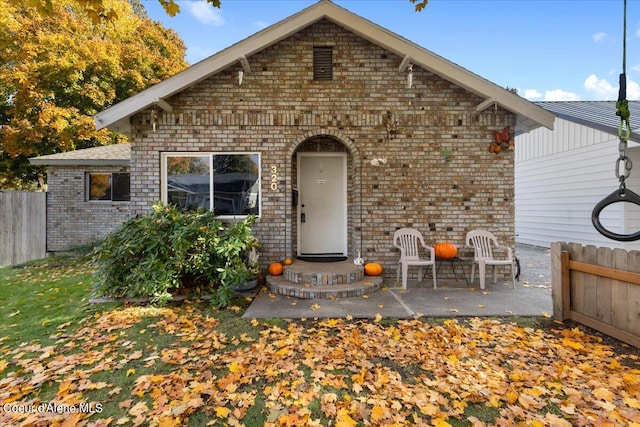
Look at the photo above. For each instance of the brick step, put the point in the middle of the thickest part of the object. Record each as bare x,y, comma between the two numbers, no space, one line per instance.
323,274
281,286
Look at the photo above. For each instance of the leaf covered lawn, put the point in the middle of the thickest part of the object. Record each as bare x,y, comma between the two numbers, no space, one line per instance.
179,366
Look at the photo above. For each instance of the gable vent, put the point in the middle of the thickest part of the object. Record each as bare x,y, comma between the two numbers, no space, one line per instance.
322,63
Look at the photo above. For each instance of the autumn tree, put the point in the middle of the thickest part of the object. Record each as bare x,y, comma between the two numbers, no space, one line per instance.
60,66
100,9
419,4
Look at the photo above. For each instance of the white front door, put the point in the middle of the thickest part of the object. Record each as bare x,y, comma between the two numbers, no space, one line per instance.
322,204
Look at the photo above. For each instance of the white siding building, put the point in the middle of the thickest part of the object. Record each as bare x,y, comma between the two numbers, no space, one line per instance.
561,175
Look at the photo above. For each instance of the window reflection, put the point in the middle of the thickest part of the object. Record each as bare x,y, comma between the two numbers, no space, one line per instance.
188,181
109,187
236,184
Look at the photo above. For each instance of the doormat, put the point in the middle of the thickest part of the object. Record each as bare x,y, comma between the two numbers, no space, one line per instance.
322,258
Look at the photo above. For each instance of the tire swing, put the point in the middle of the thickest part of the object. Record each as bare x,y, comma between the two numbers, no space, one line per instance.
623,163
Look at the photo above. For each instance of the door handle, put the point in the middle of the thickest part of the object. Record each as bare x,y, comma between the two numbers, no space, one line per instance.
303,216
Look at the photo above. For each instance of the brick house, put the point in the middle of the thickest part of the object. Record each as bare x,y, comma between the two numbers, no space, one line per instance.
81,205
334,131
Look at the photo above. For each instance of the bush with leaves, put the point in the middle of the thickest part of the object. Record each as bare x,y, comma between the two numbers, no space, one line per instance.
169,252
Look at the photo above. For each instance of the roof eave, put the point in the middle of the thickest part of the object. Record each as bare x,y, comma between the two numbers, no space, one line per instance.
116,117
38,161
459,76
119,113
634,136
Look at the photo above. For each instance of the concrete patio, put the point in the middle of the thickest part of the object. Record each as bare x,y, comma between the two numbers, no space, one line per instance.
532,297
450,299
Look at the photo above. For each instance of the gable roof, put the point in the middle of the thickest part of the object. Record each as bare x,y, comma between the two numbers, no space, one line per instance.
599,115
529,115
107,155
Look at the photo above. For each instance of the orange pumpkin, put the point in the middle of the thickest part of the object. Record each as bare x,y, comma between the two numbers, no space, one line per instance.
275,269
445,250
372,269
288,261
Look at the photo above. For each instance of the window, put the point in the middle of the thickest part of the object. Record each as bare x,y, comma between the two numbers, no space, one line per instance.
322,63
227,183
108,186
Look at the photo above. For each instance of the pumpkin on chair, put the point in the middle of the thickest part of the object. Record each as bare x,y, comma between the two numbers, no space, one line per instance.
445,250
372,269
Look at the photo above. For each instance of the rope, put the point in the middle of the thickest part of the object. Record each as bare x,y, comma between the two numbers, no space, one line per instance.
622,105
624,38
623,164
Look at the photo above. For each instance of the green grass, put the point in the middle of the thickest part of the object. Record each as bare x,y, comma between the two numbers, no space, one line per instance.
39,300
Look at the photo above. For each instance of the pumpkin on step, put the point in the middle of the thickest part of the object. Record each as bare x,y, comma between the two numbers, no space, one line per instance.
445,250
372,269
275,269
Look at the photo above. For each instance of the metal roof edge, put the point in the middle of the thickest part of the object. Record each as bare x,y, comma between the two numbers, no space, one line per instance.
635,137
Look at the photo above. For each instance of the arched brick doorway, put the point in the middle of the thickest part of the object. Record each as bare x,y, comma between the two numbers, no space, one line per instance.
329,223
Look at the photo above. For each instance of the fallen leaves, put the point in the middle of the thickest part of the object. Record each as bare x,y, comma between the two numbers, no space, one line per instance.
343,371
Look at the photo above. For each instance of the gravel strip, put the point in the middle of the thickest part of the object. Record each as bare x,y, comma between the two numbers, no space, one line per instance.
535,265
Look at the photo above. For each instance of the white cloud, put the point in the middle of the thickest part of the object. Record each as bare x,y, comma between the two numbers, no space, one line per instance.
560,95
599,36
532,94
550,95
600,88
205,13
603,90
633,90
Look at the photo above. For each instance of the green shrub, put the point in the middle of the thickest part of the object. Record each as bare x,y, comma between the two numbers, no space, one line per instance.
169,252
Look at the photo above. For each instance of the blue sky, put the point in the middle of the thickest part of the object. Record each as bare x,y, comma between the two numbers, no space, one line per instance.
550,50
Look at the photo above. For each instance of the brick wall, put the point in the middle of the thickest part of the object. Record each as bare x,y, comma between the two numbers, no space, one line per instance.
71,219
367,111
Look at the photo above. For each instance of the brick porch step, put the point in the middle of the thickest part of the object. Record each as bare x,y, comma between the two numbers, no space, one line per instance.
323,273
280,286
308,280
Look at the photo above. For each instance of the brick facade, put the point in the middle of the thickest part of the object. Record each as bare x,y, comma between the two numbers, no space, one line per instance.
368,112
73,221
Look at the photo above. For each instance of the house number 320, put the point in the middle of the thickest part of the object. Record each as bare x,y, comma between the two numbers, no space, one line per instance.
274,178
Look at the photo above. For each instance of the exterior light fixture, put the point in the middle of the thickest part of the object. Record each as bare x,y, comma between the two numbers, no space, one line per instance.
154,118
410,76
240,77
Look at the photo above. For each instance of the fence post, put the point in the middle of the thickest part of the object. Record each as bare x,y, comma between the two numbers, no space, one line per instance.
566,285
560,281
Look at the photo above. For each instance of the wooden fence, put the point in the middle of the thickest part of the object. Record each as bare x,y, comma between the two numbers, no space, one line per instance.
598,287
22,226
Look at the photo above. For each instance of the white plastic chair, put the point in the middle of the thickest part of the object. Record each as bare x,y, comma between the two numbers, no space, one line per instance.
483,242
409,240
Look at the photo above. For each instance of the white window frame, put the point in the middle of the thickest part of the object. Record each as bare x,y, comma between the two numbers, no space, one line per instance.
211,154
